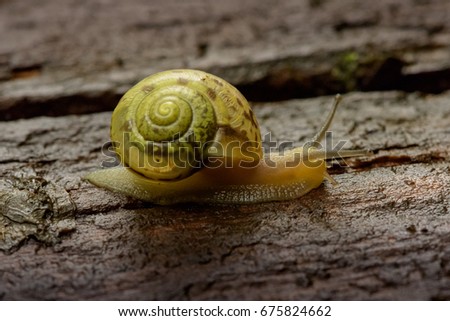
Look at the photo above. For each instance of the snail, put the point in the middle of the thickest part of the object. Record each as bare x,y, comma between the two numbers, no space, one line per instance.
189,136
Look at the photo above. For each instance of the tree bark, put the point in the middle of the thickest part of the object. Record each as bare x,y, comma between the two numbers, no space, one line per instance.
382,233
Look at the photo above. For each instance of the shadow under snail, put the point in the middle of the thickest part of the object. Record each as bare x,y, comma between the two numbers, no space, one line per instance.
189,136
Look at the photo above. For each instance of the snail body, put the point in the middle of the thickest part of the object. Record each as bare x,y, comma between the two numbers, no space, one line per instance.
189,136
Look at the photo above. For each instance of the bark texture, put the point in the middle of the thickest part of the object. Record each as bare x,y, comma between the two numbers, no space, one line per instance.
382,233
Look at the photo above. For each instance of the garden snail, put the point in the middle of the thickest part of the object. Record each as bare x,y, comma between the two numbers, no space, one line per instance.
189,136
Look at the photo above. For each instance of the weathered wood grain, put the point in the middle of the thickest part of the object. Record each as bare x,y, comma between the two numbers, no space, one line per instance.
65,57
382,233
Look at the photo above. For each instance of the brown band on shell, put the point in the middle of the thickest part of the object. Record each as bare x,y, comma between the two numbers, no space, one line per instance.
211,94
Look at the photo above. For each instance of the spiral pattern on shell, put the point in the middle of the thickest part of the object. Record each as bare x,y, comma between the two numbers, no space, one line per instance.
161,126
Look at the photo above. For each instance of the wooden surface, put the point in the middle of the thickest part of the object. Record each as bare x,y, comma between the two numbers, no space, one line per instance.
382,233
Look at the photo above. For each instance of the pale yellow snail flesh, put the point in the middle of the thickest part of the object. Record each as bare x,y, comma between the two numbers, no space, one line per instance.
211,115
